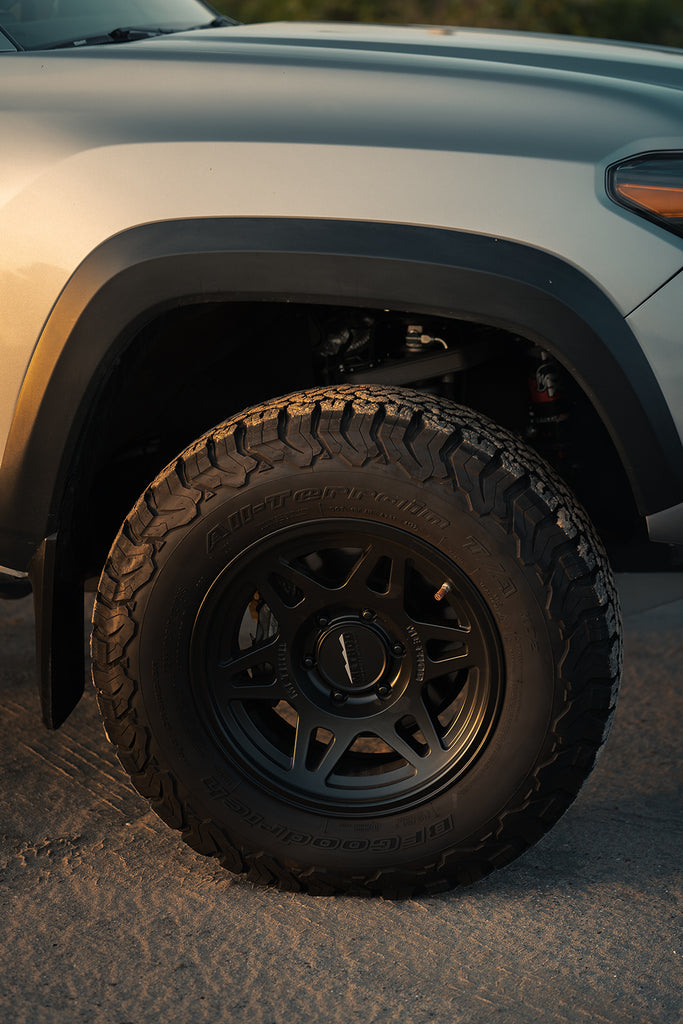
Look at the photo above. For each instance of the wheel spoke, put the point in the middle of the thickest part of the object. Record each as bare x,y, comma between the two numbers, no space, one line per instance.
230,675
472,655
302,742
343,734
438,631
397,576
437,667
386,731
355,585
272,691
426,726
392,601
314,592
287,616
461,648
251,658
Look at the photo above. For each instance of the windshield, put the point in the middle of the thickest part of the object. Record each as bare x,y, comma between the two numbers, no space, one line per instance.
39,24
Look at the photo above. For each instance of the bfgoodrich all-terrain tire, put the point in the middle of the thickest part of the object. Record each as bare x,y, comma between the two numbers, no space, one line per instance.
358,639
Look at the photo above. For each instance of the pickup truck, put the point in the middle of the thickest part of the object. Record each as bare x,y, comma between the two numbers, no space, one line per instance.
348,359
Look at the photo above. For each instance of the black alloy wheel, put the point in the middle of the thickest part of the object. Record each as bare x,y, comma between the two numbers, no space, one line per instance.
349,666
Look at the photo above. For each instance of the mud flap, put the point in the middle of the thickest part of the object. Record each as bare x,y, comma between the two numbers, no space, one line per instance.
58,605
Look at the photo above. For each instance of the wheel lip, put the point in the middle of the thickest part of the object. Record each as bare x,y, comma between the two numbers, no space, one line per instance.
402,802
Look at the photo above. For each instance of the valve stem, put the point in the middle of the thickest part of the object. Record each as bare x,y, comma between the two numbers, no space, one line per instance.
443,591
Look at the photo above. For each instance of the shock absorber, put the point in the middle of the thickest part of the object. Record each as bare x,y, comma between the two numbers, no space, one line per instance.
548,425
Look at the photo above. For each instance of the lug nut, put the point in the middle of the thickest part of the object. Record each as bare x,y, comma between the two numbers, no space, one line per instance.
309,662
383,692
338,697
367,614
323,620
398,649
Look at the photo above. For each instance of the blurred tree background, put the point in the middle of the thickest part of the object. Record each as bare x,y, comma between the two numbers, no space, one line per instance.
651,21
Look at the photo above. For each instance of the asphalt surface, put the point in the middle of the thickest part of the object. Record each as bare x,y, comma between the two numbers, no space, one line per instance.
105,916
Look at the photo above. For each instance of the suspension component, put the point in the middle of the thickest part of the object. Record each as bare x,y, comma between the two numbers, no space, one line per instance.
417,340
548,423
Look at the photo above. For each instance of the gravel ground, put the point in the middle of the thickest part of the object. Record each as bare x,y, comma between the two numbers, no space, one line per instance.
107,918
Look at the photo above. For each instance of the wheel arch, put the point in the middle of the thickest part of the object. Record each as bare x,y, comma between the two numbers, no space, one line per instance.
140,273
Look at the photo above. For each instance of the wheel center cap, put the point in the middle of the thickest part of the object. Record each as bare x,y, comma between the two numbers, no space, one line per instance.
351,657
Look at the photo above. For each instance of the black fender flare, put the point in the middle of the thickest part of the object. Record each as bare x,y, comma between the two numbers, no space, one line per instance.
133,276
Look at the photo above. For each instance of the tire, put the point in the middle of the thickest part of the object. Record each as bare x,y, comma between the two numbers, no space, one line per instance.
358,639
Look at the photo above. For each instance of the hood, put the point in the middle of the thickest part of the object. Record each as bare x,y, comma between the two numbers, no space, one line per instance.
416,88
334,42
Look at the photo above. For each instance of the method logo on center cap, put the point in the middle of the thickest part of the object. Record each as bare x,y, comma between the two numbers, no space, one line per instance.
347,666
353,657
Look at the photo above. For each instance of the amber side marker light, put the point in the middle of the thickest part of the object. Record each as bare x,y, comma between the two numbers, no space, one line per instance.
651,186
660,199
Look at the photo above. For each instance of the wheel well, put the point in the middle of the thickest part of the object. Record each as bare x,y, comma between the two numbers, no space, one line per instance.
192,367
